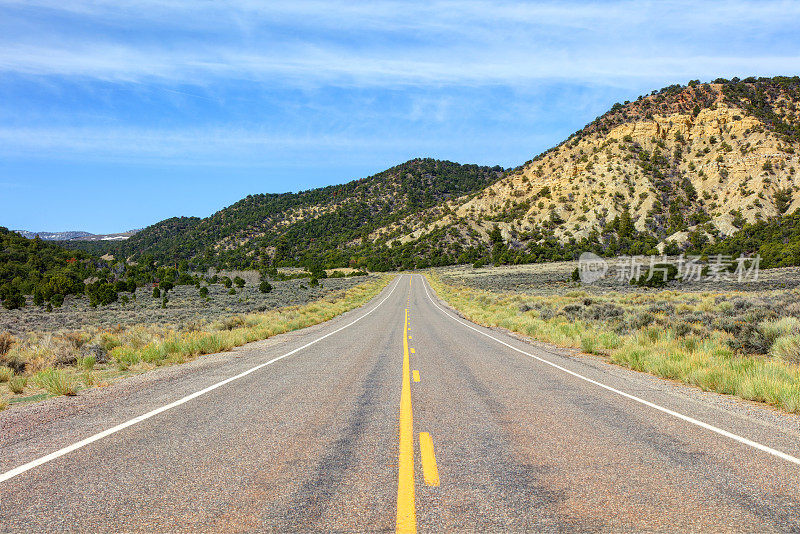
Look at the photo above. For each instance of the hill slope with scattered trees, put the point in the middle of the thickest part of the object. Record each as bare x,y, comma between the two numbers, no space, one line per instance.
329,225
678,170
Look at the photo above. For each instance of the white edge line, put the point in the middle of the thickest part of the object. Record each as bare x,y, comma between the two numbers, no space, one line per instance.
712,428
113,430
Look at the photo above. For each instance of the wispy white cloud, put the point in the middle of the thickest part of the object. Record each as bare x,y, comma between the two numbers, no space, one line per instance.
315,65
297,93
409,43
141,142
209,49
234,147
452,15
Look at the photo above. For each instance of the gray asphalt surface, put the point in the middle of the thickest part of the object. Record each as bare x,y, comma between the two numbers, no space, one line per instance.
310,442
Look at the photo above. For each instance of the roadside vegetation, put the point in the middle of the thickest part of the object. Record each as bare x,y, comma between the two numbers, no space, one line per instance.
40,365
35,274
732,342
184,304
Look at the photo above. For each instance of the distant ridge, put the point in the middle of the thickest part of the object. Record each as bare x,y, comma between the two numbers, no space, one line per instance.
76,235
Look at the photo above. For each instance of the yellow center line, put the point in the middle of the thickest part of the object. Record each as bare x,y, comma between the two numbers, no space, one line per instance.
429,469
406,508
413,351
416,375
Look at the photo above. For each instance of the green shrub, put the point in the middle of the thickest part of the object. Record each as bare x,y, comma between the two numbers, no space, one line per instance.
654,334
772,330
589,344
265,286
682,330
57,382
13,300
747,337
101,293
125,357
6,373
658,276
87,362
234,321
641,319
17,384
57,300
108,341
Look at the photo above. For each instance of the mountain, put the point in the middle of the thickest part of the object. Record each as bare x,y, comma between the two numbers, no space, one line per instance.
676,170
329,225
53,236
681,166
75,236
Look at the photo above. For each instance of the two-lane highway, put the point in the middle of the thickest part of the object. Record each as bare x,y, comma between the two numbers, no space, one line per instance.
399,415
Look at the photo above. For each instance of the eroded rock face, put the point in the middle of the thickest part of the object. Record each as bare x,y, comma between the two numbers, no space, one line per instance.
670,171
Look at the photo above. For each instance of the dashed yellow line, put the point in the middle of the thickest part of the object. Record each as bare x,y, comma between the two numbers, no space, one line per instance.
429,469
406,507
416,375
413,351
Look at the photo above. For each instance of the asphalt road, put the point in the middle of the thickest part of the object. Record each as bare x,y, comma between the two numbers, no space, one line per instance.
523,438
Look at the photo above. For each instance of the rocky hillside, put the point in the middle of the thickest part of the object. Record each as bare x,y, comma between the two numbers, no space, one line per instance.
685,165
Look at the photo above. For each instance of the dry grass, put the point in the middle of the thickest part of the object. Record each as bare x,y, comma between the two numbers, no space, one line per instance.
5,342
787,348
61,364
175,346
685,337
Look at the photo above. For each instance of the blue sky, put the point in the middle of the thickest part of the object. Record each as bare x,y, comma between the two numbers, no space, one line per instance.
117,114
